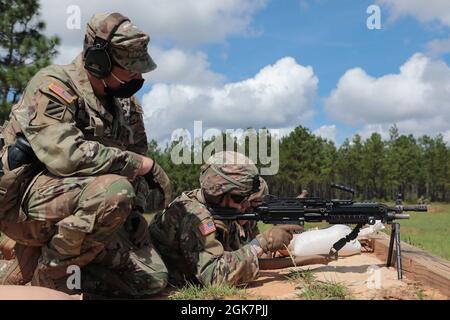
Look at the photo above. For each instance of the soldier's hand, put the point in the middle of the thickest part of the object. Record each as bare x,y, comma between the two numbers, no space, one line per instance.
158,179
147,165
277,237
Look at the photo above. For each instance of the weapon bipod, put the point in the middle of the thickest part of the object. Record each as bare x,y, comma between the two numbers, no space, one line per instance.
395,236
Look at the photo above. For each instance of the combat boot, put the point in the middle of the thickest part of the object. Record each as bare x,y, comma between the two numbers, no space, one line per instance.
20,269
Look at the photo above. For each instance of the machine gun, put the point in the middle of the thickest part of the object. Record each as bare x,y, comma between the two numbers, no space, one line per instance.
275,210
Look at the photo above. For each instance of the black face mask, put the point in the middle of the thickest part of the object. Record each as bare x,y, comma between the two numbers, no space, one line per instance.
126,89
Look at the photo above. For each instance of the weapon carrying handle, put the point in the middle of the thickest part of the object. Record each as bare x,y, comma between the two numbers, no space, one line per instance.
343,188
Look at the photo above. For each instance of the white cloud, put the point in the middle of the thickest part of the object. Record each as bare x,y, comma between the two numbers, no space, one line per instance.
415,127
368,129
67,54
179,25
446,135
279,96
438,47
327,132
416,99
424,11
176,66
184,22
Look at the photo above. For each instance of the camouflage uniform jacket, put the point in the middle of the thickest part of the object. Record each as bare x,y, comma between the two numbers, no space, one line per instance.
196,248
71,132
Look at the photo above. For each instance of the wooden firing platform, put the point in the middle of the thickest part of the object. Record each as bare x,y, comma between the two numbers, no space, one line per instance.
417,264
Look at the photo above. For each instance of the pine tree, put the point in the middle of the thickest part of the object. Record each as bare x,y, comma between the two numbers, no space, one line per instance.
374,166
436,162
403,165
23,49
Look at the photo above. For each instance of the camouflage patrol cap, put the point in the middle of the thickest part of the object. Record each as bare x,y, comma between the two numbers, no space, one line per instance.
233,173
128,45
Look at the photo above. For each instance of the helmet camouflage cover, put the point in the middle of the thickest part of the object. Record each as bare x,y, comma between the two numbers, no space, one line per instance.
232,173
128,46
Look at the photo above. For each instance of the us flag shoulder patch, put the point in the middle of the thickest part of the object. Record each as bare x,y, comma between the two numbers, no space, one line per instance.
66,96
207,227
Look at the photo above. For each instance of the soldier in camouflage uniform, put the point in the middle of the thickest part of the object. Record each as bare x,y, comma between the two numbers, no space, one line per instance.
85,206
199,249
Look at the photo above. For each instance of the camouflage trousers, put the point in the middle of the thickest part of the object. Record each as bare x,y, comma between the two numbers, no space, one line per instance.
93,223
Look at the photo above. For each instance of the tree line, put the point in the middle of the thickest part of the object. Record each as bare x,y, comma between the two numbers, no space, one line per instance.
376,168
417,168
24,49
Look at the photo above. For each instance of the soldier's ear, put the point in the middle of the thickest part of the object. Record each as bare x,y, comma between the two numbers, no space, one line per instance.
224,200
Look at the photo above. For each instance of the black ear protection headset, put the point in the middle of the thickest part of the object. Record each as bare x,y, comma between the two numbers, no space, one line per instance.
97,59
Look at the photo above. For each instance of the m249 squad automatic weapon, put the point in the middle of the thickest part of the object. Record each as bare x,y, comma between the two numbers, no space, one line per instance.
275,210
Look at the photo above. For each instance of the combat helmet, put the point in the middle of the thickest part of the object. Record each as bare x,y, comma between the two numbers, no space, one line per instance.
232,173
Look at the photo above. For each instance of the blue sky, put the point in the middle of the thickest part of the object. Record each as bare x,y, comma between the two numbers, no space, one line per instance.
238,64
330,36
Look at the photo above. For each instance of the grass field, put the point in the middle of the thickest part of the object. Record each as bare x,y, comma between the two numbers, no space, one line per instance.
209,292
429,231
313,289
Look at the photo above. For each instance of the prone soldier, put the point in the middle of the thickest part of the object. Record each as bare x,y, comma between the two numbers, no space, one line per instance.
199,249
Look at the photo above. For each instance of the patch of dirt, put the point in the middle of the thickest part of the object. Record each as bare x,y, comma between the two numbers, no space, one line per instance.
364,275
273,284
432,209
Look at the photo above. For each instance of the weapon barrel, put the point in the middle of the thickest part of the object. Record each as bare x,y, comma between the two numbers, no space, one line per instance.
401,216
420,208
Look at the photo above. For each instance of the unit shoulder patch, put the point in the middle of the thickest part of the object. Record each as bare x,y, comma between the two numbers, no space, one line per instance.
55,110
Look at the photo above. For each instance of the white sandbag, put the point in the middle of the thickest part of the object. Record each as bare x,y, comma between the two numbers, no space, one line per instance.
314,242
365,232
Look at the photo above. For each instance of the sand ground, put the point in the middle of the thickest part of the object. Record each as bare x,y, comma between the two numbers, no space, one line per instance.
364,275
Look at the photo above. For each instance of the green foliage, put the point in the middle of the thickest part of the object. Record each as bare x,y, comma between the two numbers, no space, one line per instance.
301,275
377,169
428,231
324,291
209,292
419,293
403,165
306,162
24,50
313,289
